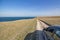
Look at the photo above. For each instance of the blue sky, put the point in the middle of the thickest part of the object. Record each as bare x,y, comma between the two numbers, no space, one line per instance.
16,8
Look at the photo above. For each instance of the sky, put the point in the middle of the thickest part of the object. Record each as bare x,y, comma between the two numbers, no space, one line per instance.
18,8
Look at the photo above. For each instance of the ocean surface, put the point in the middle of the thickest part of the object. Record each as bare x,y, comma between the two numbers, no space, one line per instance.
3,19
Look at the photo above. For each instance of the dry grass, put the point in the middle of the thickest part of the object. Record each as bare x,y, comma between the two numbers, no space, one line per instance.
51,20
17,30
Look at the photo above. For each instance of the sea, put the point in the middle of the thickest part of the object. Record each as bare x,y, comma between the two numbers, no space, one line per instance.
4,19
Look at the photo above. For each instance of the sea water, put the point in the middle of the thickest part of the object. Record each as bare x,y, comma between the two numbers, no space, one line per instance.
2,19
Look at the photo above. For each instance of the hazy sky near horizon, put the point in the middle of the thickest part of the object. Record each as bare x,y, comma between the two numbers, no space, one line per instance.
16,8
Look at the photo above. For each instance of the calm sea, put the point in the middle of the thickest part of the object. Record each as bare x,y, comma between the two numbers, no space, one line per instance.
2,19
